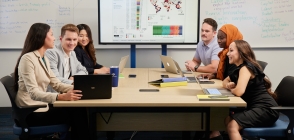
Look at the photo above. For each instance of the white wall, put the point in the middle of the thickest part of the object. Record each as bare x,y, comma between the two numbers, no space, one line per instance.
280,62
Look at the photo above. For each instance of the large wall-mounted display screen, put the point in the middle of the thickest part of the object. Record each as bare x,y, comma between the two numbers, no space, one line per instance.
148,21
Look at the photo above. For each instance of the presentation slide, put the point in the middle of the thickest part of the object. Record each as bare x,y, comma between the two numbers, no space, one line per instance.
148,21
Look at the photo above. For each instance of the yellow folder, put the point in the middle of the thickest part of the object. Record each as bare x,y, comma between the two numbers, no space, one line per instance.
170,84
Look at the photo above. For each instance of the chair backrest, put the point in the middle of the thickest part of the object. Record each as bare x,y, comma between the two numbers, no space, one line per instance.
8,82
285,91
262,64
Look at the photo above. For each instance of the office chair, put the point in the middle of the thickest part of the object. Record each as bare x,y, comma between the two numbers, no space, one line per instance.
19,114
283,128
262,64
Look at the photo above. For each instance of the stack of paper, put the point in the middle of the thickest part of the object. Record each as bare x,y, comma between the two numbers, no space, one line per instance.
170,82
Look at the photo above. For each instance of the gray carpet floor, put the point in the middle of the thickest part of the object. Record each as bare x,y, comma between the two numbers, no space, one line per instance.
6,123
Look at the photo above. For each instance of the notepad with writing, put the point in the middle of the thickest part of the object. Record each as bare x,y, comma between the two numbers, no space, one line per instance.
215,98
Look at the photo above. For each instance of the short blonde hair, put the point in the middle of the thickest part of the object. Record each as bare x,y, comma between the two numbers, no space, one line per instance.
69,27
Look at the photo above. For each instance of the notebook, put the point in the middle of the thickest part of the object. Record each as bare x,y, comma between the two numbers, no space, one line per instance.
94,86
170,66
122,63
215,91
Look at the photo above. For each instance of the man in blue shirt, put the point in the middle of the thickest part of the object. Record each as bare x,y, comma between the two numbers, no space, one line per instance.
207,50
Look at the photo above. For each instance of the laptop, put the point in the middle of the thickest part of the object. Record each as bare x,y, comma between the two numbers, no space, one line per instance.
122,63
189,79
170,66
94,86
215,91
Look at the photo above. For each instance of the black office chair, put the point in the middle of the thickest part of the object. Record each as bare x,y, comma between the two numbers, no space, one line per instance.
262,64
283,128
19,114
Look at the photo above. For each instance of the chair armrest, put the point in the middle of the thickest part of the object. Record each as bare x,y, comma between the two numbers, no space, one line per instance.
22,112
280,108
288,111
33,106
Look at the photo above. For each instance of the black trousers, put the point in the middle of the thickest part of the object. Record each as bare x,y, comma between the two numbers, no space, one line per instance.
76,118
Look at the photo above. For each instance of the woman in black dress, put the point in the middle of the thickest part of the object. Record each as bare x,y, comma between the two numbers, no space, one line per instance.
249,82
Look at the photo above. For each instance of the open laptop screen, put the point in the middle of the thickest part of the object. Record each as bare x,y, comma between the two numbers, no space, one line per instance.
122,63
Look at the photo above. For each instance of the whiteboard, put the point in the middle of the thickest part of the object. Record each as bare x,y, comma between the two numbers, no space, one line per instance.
16,17
263,23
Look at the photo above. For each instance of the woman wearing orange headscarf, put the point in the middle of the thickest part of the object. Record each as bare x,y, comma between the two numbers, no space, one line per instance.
225,36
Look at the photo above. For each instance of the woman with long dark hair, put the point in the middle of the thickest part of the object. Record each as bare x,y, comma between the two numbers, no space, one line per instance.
32,77
250,83
85,51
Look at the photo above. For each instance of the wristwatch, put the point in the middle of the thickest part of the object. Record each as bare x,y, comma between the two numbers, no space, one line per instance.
196,67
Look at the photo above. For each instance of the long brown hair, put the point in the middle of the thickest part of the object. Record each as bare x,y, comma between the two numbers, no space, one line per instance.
35,40
247,54
90,50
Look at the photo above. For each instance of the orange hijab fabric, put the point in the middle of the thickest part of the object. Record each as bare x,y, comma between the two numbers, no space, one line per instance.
233,34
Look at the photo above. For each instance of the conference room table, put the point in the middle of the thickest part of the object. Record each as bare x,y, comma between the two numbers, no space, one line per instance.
170,109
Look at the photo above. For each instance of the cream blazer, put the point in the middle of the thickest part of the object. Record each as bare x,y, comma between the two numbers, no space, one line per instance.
34,78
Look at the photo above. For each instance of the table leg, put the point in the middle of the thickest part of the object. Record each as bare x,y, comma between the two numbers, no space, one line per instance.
207,131
92,123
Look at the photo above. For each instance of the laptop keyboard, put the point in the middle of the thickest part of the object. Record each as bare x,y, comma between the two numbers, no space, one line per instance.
191,78
186,72
213,91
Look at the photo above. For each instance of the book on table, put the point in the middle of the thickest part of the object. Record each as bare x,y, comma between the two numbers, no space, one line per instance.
170,82
172,79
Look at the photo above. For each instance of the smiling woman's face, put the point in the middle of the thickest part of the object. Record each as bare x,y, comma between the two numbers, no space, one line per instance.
233,54
83,38
221,39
